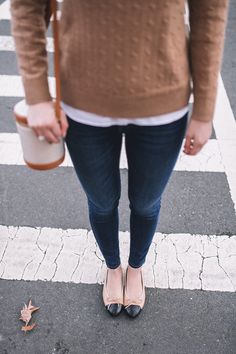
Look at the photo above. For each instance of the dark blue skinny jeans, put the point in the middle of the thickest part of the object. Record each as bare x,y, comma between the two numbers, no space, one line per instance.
151,152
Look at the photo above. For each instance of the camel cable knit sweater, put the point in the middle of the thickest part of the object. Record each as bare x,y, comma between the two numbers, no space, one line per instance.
124,58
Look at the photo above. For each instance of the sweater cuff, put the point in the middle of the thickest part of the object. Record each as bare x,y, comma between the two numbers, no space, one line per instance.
203,109
36,90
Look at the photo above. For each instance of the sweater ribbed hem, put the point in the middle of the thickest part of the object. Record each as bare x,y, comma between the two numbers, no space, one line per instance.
129,106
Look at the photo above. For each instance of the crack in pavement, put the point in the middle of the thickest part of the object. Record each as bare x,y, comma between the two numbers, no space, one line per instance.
168,276
1,260
78,262
101,262
218,259
183,271
22,277
201,271
44,255
40,231
9,233
55,260
155,259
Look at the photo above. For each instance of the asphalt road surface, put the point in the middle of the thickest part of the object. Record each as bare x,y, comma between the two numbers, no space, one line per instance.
48,252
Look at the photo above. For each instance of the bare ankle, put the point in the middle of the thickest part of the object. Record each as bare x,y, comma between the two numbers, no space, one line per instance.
117,269
134,268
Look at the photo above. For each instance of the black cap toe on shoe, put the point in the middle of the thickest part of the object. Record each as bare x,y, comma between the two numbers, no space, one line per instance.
114,309
133,310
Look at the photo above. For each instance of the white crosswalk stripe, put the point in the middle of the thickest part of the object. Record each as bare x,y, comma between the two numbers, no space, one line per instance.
174,261
7,44
184,261
208,160
5,11
11,86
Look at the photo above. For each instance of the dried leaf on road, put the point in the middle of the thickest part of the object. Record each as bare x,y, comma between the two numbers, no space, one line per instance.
26,312
28,328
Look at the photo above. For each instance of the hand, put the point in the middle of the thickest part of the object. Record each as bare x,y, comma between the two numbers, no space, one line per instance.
197,134
42,119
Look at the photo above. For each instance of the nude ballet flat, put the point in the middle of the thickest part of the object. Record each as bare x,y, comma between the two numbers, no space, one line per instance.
113,304
133,306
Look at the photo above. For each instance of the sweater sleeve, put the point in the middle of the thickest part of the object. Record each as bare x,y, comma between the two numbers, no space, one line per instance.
207,31
29,21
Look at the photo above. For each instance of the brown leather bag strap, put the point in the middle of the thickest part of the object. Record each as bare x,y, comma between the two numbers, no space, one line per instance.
56,57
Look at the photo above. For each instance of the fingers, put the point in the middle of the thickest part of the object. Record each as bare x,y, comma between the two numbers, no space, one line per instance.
42,119
192,145
37,131
50,136
55,131
196,136
52,133
188,144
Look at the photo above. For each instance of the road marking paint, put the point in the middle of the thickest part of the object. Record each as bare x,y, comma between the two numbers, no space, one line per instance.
176,261
224,121
7,44
208,160
11,86
225,129
5,11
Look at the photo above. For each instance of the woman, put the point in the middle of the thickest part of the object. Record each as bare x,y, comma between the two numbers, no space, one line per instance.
127,67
